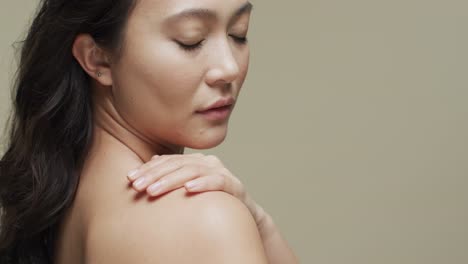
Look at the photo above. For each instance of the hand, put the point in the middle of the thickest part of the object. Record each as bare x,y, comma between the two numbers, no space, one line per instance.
197,173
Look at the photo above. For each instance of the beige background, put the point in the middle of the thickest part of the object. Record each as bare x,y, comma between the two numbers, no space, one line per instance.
352,127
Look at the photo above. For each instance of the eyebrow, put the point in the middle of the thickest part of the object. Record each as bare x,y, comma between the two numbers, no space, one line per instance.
208,14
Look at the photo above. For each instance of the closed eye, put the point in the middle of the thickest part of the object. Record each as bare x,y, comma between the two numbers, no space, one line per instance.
241,40
190,47
198,45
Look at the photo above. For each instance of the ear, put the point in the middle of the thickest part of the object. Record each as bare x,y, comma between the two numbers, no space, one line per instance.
92,59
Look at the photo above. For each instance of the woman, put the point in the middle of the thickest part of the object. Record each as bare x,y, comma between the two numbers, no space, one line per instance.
107,86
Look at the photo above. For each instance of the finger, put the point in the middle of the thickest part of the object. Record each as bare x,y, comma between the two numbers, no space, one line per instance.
198,155
214,160
157,160
173,180
165,166
217,182
136,173
177,158
205,183
155,173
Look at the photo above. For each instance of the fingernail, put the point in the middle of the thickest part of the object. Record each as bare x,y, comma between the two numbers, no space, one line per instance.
155,188
191,184
140,182
131,174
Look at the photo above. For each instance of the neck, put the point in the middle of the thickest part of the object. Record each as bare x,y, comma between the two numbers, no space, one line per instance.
108,124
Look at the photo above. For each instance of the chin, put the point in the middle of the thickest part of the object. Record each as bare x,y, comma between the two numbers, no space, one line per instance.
208,138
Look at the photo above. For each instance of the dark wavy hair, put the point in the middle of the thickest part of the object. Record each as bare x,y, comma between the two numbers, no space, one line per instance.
50,126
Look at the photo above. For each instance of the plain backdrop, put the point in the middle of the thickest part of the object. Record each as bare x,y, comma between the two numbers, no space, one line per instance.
352,126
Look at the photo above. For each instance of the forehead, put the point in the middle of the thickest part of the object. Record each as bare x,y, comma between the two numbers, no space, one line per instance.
163,10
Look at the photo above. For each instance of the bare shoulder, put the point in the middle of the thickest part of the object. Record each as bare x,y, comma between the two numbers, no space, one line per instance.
208,227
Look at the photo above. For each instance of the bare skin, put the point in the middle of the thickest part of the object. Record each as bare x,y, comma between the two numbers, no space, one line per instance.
107,210
199,173
145,104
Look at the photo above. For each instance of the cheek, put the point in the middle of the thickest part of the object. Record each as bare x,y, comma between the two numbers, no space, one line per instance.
158,74
244,61
244,68
154,88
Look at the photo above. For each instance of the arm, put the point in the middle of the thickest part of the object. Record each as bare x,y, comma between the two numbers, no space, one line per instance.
211,227
276,247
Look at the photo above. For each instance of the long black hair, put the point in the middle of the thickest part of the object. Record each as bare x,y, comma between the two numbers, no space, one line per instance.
50,127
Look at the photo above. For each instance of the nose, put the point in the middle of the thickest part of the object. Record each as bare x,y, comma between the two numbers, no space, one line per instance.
224,68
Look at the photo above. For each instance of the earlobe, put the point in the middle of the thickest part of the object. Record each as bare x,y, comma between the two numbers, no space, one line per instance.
92,59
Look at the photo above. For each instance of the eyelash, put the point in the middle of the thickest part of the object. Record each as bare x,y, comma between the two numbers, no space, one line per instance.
240,40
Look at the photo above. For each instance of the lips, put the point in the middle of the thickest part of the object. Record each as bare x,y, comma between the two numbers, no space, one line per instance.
221,108
217,113
220,104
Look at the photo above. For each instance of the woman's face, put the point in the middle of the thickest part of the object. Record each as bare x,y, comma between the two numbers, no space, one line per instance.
159,85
